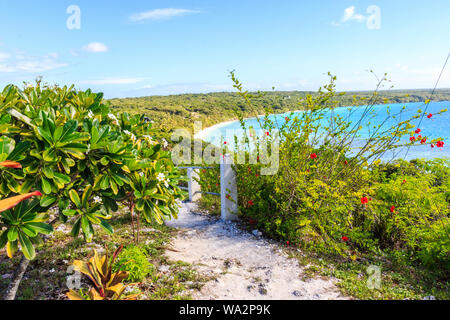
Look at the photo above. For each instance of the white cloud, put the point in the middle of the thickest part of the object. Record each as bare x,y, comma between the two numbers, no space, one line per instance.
23,63
161,14
95,47
350,15
113,81
4,55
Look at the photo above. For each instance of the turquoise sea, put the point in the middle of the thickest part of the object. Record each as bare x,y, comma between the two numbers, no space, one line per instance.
438,126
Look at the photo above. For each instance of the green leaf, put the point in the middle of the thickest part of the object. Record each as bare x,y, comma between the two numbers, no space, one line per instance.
46,187
76,228
47,201
105,225
69,212
13,232
3,239
27,247
75,198
41,227
86,196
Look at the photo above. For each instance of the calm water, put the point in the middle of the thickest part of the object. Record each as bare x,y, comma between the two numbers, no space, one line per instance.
436,127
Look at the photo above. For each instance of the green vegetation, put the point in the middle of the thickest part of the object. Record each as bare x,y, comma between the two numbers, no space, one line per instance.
134,261
86,161
350,211
177,111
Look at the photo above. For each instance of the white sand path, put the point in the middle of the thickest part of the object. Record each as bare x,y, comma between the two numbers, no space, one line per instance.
244,266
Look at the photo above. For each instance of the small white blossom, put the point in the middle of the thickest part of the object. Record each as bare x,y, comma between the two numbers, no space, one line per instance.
90,114
164,143
161,177
141,174
127,132
97,199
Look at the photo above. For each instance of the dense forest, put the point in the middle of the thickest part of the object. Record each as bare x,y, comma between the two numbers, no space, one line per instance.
213,108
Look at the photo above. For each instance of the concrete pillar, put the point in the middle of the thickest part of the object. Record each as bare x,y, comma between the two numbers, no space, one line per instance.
193,186
228,186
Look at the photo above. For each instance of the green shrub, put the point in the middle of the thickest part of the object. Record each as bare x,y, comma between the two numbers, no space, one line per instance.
134,260
330,200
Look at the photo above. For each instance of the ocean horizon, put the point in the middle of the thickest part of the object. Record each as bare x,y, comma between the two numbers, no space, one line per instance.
438,126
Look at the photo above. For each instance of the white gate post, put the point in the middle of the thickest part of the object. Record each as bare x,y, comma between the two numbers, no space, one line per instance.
228,186
193,185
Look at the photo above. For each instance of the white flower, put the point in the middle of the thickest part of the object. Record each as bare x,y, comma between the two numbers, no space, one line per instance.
111,116
141,174
164,142
127,132
149,139
161,177
97,199
90,114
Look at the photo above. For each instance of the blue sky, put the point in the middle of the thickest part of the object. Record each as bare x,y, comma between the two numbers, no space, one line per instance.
136,48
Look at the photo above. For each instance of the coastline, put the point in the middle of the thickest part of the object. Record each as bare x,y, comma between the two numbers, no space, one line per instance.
205,132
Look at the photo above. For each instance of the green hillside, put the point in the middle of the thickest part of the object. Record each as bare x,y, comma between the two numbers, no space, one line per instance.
180,110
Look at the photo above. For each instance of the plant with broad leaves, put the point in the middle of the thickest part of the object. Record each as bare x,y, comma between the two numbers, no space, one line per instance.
78,153
24,221
108,285
88,213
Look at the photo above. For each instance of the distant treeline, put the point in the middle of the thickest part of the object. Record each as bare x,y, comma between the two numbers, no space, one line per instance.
176,111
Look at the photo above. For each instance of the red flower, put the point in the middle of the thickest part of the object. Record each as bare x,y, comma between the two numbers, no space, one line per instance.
429,116
268,134
344,238
313,156
419,136
440,144
225,142
287,242
412,138
346,162
432,146
257,158
423,140
287,119
257,175
393,209
364,200
250,203
404,181
417,130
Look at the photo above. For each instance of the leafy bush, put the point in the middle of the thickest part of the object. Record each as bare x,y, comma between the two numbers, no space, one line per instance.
134,260
86,161
329,197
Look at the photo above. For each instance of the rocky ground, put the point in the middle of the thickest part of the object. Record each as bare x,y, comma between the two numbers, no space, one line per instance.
243,265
